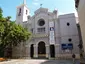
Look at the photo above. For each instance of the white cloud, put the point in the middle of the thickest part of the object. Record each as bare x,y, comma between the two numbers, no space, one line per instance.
35,3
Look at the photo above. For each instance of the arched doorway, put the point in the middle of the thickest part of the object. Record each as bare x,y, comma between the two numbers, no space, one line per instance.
41,50
32,50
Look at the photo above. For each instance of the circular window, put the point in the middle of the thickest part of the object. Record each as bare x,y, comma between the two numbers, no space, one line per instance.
68,24
41,22
69,39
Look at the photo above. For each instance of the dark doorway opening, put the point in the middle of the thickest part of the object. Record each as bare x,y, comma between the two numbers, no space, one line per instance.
41,50
52,51
32,50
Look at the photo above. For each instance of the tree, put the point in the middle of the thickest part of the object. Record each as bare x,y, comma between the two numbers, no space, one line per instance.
1,15
11,34
8,18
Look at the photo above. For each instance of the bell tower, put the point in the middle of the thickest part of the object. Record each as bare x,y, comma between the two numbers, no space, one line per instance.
22,13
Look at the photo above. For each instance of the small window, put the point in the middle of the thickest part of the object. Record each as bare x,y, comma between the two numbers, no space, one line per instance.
68,24
26,11
42,30
20,10
69,39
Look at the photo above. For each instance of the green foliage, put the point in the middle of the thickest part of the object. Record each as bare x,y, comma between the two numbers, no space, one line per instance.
11,33
2,18
1,15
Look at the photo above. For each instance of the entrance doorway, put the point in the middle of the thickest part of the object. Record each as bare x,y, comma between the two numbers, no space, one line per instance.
32,50
52,51
41,50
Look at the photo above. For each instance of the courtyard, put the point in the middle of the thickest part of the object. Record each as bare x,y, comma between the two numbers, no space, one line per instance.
39,61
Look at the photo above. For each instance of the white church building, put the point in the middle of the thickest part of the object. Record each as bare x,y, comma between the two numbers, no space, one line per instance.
53,35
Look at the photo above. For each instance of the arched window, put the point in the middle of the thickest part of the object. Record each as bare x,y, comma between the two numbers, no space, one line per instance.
19,12
26,11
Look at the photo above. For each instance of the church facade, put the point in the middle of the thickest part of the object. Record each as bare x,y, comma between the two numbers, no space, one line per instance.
53,35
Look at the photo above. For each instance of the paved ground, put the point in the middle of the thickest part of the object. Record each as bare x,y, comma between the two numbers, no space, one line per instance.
37,61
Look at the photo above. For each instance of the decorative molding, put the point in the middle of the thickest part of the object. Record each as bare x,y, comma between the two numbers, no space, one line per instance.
40,35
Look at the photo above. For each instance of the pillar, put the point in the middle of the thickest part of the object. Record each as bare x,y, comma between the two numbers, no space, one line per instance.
35,51
57,50
28,51
47,51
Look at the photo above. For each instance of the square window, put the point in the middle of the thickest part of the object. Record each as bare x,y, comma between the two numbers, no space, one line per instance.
42,30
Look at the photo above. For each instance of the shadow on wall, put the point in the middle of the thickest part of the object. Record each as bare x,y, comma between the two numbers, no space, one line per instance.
60,62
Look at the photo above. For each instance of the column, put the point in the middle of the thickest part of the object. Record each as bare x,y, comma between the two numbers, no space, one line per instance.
47,51
35,51
28,51
57,50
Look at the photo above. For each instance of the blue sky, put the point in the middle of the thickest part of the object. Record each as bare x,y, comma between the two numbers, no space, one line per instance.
63,6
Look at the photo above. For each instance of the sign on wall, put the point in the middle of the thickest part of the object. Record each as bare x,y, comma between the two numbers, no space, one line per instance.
51,33
67,46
